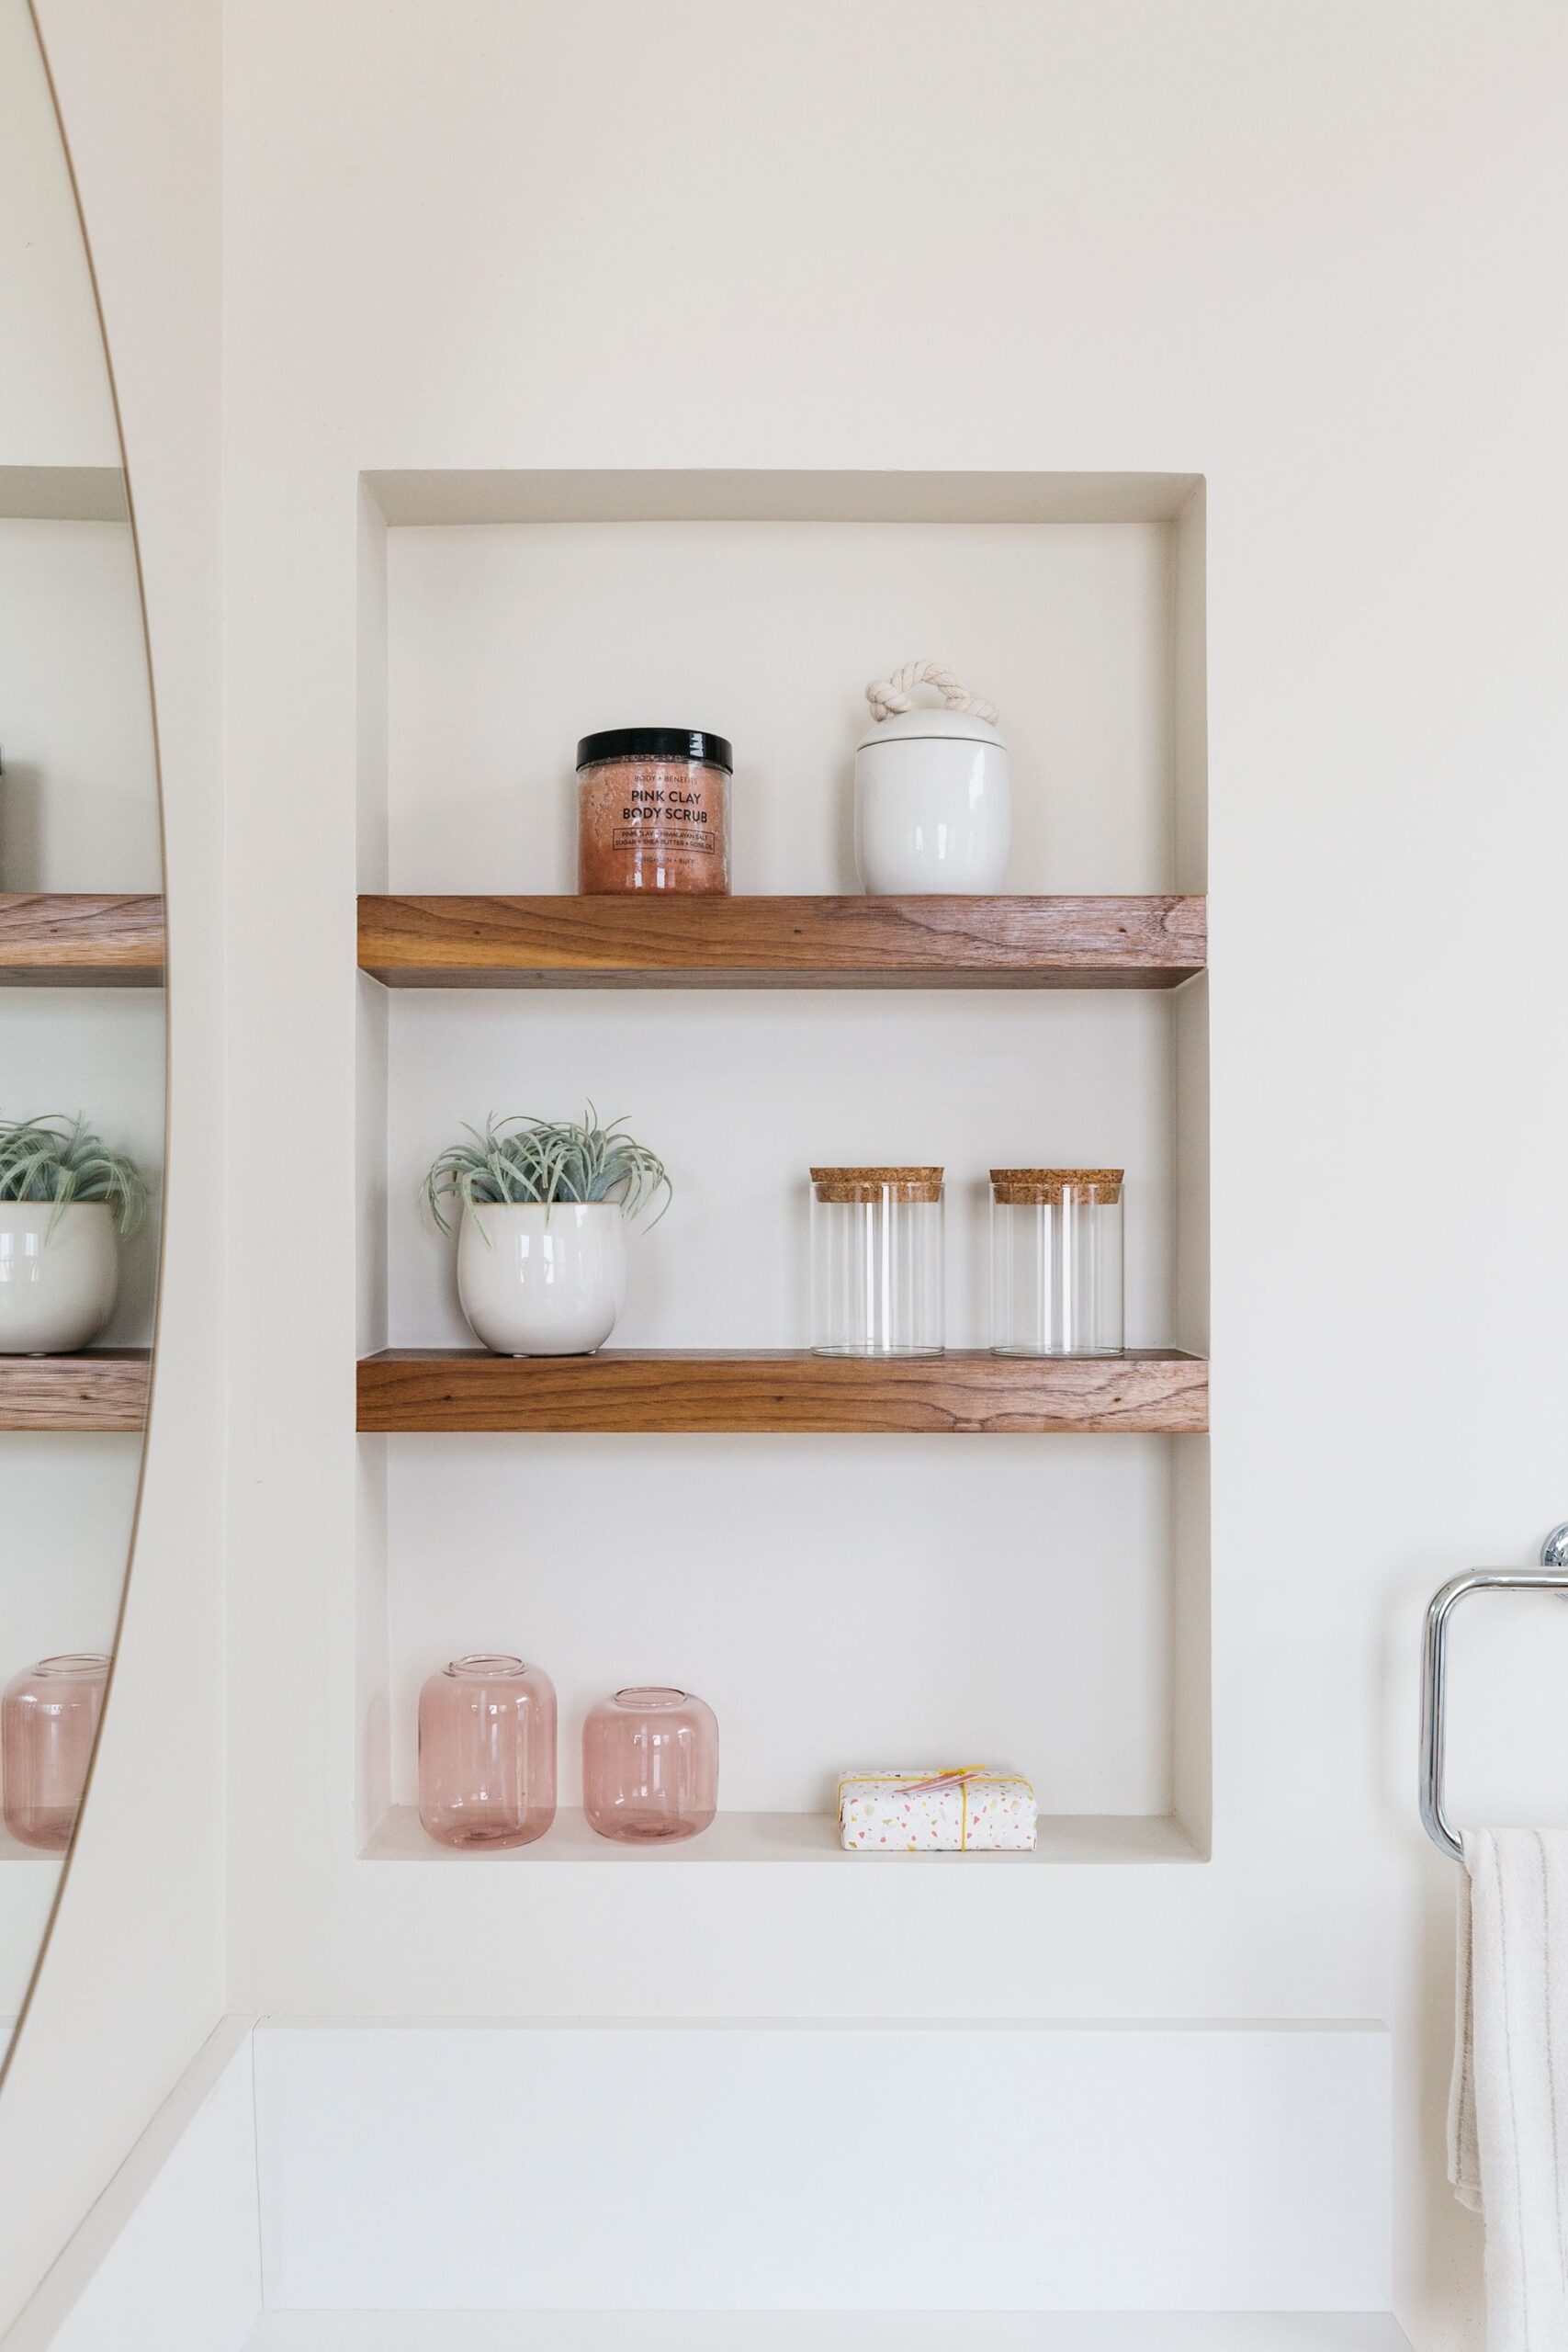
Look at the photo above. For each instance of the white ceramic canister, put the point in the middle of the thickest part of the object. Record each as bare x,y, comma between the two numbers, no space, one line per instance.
538,1279
931,807
59,1274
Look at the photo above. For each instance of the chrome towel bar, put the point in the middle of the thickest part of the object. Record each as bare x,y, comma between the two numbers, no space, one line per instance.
1552,1577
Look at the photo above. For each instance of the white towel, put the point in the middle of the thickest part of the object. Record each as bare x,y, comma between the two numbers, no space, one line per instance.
1508,2103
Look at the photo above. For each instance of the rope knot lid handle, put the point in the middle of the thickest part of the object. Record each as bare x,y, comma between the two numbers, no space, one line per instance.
888,696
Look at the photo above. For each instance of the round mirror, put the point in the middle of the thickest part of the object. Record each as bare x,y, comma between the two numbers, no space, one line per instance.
82,1025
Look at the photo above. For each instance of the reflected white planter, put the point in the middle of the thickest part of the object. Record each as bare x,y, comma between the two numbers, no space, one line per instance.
56,1287
539,1281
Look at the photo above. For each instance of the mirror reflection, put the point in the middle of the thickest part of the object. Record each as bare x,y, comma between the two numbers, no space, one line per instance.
82,1034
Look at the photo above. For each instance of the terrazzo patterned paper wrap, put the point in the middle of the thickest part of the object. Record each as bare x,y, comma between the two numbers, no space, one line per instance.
973,1808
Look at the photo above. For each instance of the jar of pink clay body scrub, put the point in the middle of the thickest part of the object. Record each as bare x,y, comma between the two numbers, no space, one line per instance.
653,811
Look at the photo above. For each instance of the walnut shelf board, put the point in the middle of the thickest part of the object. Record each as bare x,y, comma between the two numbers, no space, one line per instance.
692,943
403,1391
103,1389
69,939
1115,1838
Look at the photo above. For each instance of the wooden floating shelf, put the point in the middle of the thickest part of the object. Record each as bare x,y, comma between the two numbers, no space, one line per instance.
841,943
680,1391
104,1390
67,939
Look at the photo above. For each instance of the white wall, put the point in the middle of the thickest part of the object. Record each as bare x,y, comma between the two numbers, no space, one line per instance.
872,1656
169,2258
509,641
341,2186
1304,251
690,2169
504,641
78,798
55,408
1309,250
135,1972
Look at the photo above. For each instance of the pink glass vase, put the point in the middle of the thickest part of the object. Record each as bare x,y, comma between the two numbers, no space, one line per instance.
650,1765
49,1720
487,1752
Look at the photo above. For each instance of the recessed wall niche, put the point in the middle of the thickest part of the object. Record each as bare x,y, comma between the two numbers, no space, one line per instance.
1035,1600
76,810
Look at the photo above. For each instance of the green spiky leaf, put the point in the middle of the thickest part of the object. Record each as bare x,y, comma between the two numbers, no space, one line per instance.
61,1161
522,1159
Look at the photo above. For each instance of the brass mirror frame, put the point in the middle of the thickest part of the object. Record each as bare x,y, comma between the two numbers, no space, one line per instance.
68,1858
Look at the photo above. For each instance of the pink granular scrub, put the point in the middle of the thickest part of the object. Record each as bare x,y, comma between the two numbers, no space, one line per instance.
653,811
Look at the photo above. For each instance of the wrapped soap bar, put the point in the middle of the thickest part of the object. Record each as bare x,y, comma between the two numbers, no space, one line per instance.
972,1808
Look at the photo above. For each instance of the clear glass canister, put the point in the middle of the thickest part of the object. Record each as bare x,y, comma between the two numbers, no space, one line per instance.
1057,1261
878,1262
653,811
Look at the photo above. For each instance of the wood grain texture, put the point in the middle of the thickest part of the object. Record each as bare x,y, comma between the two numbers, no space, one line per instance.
103,1389
66,939
671,1391
646,942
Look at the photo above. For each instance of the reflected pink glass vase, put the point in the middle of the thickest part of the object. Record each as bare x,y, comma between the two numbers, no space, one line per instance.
49,1720
650,1765
487,1753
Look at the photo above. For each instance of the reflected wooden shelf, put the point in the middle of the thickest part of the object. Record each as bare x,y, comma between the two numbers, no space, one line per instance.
680,1391
1070,1838
63,494
103,1389
840,942
68,939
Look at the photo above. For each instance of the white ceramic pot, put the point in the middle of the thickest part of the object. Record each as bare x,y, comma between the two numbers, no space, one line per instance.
931,807
59,1273
537,1281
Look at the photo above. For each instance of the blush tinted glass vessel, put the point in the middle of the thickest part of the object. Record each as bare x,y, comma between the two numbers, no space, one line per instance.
49,1720
650,1766
487,1752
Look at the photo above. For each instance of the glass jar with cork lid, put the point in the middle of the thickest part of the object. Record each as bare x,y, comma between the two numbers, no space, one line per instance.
653,811
1057,1261
877,1261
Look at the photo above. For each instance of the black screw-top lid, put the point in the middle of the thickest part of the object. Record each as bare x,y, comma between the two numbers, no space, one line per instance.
657,743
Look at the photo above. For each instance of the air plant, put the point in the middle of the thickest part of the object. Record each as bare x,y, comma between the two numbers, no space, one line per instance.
512,1160
61,1161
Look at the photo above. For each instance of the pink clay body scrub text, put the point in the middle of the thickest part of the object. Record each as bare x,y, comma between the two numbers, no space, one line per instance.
653,811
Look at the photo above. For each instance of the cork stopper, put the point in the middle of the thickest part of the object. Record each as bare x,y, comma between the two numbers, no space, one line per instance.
877,1183
1026,1187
